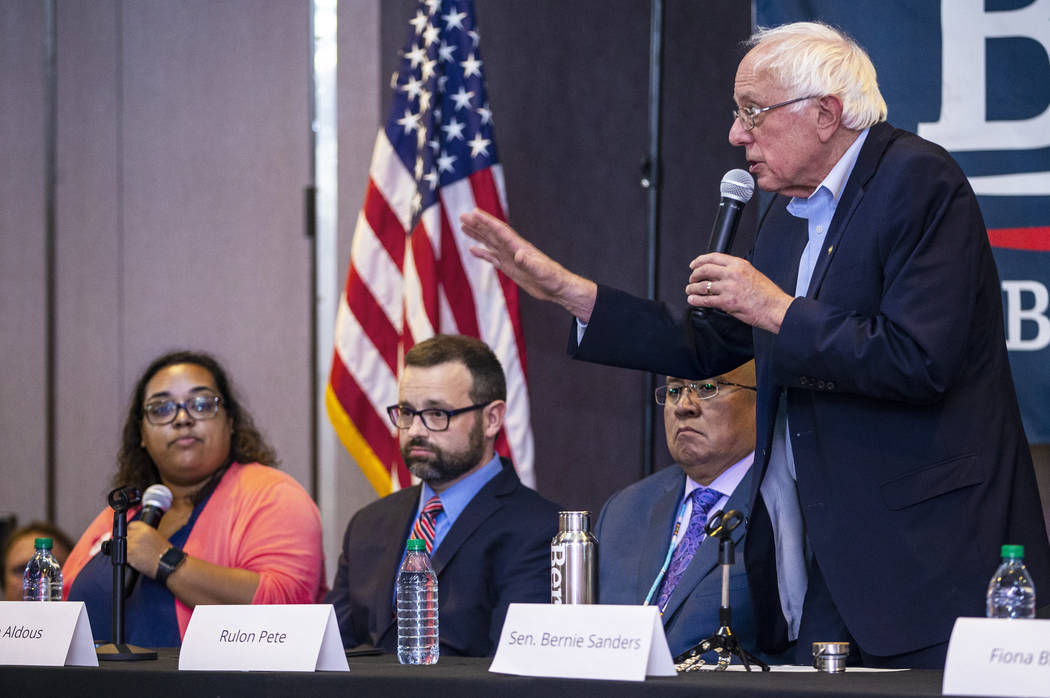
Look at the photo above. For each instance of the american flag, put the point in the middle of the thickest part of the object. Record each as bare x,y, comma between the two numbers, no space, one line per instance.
411,273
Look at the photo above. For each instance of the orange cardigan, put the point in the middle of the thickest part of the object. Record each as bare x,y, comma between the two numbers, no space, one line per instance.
259,519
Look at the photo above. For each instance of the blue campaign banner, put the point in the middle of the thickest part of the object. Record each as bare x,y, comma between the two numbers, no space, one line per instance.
974,77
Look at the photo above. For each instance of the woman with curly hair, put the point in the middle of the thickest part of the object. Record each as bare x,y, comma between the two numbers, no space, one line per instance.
238,530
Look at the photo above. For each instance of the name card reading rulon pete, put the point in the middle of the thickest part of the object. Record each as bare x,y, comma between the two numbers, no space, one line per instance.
625,643
49,633
998,657
263,638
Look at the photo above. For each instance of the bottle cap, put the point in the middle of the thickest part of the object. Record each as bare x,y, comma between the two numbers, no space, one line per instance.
45,543
1013,552
574,521
416,545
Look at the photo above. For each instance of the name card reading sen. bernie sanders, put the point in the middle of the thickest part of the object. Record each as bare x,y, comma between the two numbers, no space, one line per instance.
53,633
998,657
585,641
263,638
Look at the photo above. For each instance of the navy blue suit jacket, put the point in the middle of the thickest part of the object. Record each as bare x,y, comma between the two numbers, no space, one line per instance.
496,553
634,530
912,464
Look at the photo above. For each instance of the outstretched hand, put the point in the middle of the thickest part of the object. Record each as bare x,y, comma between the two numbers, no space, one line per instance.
533,271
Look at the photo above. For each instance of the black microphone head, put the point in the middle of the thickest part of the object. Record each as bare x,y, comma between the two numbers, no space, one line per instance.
737,184
157,496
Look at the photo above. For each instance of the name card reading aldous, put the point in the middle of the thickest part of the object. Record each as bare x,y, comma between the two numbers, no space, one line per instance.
263,638
998,657
52,633
583,642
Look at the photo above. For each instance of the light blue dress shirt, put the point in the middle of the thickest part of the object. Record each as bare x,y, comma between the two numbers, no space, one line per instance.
456,498
779,487
725,484
453,501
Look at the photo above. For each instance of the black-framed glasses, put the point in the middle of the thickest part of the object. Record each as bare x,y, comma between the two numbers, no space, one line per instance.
434,418
161,412
704,390
747,114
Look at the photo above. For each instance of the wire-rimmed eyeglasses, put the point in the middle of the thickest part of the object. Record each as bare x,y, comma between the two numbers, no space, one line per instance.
161,412
434,418
704,390
747,114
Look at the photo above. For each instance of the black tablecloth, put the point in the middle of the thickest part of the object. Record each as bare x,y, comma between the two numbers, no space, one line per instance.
451,676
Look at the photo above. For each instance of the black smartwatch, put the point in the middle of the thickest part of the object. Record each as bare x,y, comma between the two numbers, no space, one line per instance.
169,561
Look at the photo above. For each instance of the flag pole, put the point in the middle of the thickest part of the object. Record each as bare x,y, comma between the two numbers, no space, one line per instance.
651,180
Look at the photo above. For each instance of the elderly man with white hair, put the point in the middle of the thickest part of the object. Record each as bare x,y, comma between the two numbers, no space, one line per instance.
891,463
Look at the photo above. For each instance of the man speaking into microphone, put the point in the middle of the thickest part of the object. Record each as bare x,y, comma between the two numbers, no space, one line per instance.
890,461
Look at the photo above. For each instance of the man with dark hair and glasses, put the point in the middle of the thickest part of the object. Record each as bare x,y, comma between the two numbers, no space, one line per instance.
488,535
653,548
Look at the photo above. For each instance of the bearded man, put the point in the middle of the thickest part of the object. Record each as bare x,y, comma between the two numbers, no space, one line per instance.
488,535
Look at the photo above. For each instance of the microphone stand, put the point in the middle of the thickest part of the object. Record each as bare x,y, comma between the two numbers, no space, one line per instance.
120,499
724,642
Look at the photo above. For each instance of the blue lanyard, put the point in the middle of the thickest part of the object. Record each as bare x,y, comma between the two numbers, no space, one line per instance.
670,552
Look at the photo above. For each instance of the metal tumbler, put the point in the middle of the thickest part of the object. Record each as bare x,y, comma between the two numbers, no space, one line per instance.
574,560
830,657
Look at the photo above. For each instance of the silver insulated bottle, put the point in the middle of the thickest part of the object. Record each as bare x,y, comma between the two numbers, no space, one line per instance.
574,560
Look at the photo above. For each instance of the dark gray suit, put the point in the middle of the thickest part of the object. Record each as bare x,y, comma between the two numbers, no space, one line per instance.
634,530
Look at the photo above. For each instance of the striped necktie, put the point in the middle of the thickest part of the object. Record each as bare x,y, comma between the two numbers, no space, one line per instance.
425,527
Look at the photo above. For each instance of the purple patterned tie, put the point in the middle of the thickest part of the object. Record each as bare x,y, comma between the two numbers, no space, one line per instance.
703,499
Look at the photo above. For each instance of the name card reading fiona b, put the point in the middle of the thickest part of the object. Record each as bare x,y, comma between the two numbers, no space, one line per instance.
263,638
49,633
625,643
998,657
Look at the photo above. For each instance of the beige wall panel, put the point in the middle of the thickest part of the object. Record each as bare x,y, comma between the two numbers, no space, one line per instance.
215,158
90,397
22,259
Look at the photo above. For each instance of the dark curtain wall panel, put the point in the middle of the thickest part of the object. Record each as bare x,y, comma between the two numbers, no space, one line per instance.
568,86
702,46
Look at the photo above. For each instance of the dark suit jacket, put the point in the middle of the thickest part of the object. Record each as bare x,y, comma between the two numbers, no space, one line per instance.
912,464
634,530
496,553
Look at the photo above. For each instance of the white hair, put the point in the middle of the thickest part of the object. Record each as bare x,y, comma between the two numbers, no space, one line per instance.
812,58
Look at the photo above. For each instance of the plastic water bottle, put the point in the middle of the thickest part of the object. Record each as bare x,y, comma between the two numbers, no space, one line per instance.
1011,593
417,607
43,577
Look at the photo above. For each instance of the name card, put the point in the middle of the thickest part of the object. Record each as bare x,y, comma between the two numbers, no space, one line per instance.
263,638
625,643
998,657
46,633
